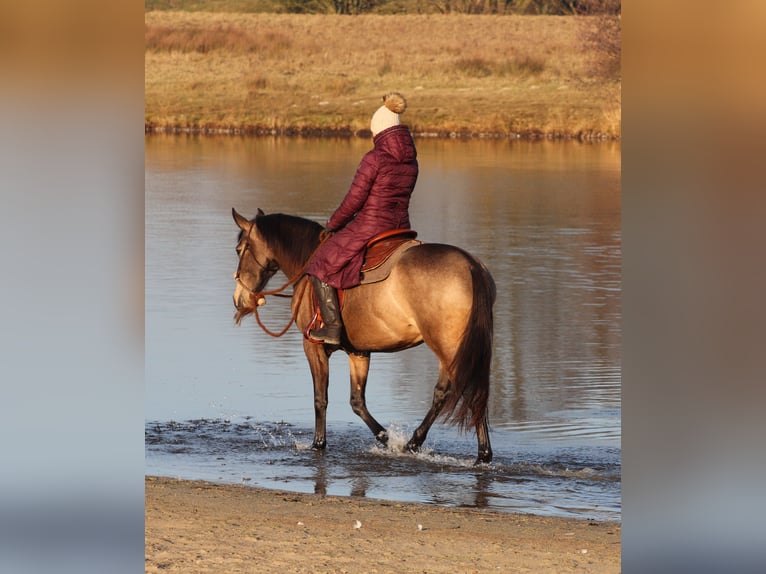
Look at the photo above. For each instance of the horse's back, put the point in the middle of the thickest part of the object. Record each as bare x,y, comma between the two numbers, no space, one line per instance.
428,295
434,270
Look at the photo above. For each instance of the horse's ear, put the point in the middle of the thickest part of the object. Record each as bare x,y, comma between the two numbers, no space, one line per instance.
260,211
241,222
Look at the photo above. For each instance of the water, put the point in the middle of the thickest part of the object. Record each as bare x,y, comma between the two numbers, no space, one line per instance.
232,404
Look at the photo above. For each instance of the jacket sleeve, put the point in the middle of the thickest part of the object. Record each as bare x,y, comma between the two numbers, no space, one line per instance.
357,195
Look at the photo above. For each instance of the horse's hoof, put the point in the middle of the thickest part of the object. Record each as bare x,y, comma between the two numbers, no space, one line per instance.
483,458
319,445
382,438
412,447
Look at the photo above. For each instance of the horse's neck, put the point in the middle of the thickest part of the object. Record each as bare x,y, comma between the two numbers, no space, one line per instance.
291,261
289,246
288,263
291,268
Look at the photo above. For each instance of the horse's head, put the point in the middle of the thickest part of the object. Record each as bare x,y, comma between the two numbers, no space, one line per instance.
256,261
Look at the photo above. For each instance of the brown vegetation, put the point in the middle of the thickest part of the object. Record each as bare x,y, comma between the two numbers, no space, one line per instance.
292,73
521,7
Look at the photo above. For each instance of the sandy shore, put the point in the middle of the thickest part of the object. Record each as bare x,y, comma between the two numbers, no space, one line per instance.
194,526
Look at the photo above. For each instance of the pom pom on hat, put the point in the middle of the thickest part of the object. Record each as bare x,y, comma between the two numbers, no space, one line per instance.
395,102
387,115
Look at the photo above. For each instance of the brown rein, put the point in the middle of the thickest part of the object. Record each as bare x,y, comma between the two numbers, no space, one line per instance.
256,296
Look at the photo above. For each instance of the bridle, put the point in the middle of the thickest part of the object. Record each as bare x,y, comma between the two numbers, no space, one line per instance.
258,298
269,269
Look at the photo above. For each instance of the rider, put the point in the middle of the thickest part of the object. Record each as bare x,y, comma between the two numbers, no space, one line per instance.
377,201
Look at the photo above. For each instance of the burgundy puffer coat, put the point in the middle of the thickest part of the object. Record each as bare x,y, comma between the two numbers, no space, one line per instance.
377,201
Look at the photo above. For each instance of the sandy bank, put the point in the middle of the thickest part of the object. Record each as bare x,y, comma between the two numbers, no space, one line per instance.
194,526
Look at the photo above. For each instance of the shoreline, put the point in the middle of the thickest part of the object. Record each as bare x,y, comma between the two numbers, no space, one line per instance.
347,133
207,527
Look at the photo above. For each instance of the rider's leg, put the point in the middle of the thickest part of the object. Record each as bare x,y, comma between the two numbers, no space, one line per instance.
328,305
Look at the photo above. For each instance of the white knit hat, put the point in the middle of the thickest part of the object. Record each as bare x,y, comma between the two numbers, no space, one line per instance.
387,115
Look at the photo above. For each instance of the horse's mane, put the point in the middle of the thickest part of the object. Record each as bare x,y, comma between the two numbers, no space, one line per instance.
289,236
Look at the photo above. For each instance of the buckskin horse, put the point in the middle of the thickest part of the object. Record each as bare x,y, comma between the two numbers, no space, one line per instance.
435,294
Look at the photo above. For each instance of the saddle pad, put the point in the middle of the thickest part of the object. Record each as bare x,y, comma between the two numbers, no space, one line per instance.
380,267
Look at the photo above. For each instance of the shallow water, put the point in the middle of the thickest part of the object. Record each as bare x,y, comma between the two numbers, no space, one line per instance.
234,405
575,481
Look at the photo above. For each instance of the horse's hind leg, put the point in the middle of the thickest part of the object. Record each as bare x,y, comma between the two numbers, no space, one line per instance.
359,366
440,394
485,449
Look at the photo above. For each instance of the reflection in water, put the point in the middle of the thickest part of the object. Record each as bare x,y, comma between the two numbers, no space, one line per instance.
543,216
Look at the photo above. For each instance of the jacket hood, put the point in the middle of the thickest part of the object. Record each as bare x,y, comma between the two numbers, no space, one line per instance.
397,142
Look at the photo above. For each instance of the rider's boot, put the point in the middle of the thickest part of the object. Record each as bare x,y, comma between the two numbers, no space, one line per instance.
328,306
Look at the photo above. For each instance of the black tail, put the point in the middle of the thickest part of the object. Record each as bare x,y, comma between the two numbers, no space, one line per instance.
466,404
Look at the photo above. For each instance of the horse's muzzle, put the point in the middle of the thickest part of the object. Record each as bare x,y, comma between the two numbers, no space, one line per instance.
241,297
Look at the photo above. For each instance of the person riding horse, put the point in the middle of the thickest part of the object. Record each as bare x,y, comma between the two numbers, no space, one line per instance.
377,201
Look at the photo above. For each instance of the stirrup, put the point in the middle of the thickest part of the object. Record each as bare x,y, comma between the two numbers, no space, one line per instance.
327,335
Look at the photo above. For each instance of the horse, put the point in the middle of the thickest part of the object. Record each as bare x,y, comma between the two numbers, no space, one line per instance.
436,294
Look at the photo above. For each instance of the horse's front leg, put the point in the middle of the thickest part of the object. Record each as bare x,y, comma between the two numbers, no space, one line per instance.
440,394
359,366
319,363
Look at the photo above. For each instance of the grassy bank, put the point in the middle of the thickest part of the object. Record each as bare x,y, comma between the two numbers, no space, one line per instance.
281,73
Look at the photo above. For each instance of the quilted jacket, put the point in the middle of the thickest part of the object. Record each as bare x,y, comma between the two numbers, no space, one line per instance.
377,201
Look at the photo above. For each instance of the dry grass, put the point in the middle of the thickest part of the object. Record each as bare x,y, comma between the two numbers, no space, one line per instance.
222,36
479,74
